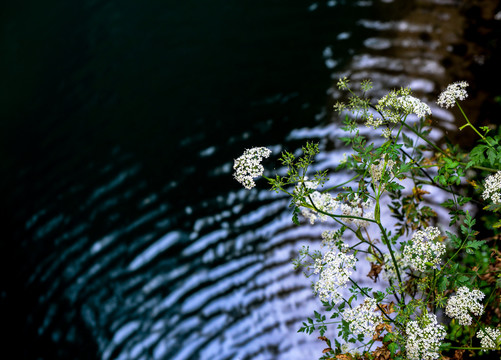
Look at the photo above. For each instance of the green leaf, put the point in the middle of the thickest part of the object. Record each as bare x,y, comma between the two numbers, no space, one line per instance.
408,141
393,348
295,218
456,242
445,346
469,220
442,284
475,244
449,203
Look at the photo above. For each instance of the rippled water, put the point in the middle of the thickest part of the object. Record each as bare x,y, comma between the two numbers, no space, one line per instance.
126,236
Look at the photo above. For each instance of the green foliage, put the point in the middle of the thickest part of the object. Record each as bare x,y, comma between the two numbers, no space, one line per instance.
400,171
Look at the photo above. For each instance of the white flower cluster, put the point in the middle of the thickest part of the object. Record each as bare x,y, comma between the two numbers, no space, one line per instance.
411,105
335,269
487,335
393,107
363,319
358,208
423,338
455,91
371,120
389,108
386,132
463,303
330,238
377,170
323,202
492,188
424,250
248,166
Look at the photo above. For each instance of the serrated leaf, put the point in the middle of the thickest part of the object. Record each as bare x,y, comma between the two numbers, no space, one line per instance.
475,244
407,141
442,284
448,204
456,242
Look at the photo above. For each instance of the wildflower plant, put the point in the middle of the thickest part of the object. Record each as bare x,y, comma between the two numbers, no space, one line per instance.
464,303
438,288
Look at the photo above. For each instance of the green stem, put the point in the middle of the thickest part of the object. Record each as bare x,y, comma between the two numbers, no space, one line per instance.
468,123
388,244
481,167
453,256
428,141
333,215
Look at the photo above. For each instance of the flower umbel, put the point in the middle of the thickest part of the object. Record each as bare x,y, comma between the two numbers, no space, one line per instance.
486,336
423,338
363,319
455,91
248,166
463,303
335,269
358,208
424,250
412,105
321,201
376,170
493,188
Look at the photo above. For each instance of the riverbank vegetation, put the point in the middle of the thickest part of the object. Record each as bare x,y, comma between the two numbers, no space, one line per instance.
437,286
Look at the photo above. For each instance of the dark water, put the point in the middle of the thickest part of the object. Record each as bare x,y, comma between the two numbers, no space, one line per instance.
125,236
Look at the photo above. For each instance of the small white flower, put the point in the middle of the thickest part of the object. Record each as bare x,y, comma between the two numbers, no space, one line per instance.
321,201
386,133
492,188
363,319
423,338
411,105
370,120
358,208
248,166
377,170
455,91
390,106
487,335
335,269
424,250
330,238
463,303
